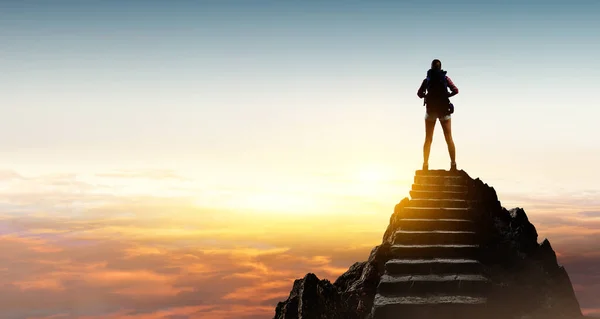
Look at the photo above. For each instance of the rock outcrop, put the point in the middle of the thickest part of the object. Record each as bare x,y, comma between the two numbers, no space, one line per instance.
451,251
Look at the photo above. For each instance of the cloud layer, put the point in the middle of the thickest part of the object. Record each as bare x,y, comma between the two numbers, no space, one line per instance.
73,249
59,268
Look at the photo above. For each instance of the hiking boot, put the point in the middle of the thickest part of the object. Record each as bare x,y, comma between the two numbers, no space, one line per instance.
453,167
425,166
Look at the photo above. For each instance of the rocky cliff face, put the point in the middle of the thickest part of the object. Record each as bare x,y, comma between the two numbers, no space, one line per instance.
517,277
349,297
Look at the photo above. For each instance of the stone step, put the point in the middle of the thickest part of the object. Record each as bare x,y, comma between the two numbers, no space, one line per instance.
432,237
429,306
438,172
438,195
433,266
435,251
446,203
467,284
437,188
425,224
440,180
438,213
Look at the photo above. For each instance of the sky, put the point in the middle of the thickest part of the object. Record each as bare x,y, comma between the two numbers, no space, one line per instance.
150,150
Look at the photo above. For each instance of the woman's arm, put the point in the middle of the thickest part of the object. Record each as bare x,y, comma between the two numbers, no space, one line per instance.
453,88
422,89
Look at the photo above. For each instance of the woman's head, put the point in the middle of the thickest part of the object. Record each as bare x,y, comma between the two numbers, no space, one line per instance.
436,64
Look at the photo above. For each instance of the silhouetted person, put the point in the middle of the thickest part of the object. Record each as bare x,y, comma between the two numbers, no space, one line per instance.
437,99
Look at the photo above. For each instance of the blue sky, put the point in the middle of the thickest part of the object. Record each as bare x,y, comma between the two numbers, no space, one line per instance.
310,86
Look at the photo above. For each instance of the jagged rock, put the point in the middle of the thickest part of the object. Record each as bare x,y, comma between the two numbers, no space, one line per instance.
349,297
351,276
526,274
394,225
526,279
311,298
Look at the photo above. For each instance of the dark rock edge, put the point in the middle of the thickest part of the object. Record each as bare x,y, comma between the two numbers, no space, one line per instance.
527,280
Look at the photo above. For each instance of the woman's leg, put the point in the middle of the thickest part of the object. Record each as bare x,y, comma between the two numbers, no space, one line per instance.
447,127
429,127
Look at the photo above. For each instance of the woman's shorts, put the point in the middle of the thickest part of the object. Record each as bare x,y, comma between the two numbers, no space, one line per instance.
431,117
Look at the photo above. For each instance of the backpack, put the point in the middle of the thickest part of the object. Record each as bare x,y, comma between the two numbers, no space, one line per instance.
437,92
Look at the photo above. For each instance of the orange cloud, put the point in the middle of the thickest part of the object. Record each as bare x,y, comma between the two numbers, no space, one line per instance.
97,277
40,284
592,312
157,258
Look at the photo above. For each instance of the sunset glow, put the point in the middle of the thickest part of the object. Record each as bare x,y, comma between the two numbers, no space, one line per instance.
190,161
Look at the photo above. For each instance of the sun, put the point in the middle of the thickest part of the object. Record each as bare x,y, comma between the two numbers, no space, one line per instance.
370,175
369,180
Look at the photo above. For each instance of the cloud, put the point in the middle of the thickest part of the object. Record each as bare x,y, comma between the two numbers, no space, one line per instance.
591,312
156,174
9,175
80,248
590,214
553,201
77,271
81,269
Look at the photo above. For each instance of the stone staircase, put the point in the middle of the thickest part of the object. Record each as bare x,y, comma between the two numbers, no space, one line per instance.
435,272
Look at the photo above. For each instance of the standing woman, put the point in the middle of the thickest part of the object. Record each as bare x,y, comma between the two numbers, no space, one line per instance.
434,89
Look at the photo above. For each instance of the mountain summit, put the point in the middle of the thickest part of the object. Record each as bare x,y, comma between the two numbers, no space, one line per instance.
450,251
